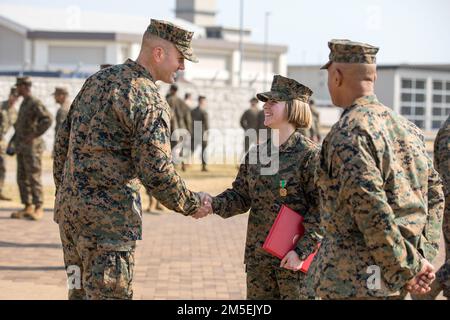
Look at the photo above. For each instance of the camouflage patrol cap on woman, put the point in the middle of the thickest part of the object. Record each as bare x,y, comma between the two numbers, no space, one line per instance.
180,37
285,89
346,51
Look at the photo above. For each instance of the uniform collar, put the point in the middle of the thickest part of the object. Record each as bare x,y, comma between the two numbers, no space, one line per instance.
289,145
361,101
133,65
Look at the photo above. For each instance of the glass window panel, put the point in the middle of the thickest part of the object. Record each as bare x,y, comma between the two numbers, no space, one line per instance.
447,99
437,98
436,124
437,85
420,84
437,111
406,111
420,97
406,97
447,86
420,111
406,83
419,123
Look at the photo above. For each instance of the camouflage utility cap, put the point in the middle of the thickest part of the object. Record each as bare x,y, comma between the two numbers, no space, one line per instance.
346,51
13,91
180,37
285,89
23,80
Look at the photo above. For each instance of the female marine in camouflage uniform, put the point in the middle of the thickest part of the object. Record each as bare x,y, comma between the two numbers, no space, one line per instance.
263,192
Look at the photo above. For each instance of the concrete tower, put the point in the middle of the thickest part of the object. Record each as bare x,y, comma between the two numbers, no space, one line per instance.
199,12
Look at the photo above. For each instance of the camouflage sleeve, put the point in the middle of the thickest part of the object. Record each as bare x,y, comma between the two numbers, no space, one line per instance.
442,165
362,183
235,200
152,155
44,119
433,227
60,148
312,235
442,156
3,123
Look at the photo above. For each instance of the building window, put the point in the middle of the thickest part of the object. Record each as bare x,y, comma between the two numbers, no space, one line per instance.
406,84
441,102
437,85
436,124
437,98
413,100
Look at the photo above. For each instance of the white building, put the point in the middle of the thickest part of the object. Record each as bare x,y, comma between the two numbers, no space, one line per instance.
69,40
421,93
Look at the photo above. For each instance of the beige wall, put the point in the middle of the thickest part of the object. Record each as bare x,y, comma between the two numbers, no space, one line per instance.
12,46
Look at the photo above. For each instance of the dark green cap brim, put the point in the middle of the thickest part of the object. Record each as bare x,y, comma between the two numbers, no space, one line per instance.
326,66
187,53
272,95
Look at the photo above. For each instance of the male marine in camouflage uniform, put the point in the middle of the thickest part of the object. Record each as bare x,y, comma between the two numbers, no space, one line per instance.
182,115
199,114
442,163
61,97
381,198
32,122
117,132
249,121
8,116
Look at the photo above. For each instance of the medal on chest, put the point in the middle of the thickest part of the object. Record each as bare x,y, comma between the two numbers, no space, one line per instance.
283,190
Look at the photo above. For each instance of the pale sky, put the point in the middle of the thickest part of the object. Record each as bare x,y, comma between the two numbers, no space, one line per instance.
407,31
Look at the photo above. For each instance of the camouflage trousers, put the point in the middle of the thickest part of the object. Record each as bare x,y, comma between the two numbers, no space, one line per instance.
97,269
29,172
2,170
267,281
443,274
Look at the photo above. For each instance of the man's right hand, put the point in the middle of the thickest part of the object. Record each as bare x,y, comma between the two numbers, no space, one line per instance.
206,208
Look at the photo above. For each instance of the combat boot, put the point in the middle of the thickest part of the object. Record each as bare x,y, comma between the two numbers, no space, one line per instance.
36,215
3,197
21,214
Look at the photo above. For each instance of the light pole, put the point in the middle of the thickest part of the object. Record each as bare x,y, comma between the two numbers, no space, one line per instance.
241,44
266,43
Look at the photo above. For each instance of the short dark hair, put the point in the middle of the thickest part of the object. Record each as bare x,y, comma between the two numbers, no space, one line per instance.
311,101
201,98
174,87
187,95
254,100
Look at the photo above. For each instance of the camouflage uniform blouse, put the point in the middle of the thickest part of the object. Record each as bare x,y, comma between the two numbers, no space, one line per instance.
261,194
117,130
381,203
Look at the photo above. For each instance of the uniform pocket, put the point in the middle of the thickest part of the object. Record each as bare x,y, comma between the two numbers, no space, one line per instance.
115,266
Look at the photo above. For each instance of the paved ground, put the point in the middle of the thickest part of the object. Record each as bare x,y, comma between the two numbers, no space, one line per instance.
179,258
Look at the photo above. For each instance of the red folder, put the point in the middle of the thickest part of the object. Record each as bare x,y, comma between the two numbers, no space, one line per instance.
285,232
